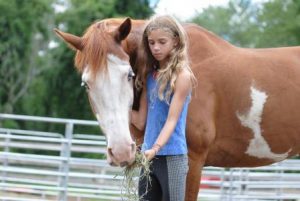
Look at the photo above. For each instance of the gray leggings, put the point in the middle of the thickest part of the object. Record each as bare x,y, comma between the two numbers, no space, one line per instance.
168,178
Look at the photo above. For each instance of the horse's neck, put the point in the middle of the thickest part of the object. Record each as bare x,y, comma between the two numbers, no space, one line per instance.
204,44
133,42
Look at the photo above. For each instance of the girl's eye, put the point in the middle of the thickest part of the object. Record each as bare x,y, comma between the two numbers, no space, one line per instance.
163,41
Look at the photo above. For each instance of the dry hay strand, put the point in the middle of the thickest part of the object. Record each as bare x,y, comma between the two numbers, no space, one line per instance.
131,173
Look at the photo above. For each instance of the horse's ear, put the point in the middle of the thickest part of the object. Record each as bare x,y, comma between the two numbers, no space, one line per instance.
123,30
73,41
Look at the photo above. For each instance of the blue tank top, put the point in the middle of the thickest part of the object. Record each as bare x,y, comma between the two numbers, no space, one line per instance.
156,117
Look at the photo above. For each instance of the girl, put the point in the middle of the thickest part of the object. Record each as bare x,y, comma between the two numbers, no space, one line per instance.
163,108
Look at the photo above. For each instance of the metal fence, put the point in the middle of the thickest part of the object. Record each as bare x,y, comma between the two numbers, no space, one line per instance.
39,165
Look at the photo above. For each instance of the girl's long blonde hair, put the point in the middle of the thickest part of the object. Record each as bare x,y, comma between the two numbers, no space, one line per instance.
178,58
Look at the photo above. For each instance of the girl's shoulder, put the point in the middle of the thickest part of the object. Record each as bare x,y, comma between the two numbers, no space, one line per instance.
183,80
184,72
184,75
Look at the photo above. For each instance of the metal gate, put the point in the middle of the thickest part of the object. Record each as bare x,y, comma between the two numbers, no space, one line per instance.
39,165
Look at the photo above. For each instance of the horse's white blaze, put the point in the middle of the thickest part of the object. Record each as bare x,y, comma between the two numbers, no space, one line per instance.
258,146
111,95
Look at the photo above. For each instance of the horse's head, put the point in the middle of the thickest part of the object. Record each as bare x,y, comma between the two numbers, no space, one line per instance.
108,78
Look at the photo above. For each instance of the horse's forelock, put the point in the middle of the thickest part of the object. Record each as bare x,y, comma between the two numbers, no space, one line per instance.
95,48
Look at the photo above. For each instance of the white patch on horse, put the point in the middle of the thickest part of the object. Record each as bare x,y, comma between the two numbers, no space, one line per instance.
85,75
111,95
116,96
258,146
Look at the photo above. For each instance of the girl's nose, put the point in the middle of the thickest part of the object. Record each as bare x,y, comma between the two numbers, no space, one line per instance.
156,47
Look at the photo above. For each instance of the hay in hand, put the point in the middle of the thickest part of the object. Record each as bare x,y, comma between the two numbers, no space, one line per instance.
131,176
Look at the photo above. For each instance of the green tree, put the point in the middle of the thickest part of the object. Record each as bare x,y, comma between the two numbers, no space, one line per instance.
235,22
134,8
296,29
271,24
279,22
24,36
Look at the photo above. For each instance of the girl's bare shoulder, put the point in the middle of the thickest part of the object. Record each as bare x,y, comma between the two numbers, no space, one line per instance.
183,80
184,74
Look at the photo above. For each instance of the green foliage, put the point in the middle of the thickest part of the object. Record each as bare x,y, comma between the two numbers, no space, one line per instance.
279,21
133,8
80,14
23,34
234,22
272,24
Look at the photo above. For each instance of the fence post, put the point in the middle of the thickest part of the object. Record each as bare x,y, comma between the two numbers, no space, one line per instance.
231,180
64,168
280,172
5,161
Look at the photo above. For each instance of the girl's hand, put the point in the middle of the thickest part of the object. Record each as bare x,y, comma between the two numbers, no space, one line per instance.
150,153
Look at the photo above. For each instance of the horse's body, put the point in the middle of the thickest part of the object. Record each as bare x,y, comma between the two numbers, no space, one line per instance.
243,111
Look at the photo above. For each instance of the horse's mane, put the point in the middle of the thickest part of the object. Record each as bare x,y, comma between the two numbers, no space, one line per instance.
95,46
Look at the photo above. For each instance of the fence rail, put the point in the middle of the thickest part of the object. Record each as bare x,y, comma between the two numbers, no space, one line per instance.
39,165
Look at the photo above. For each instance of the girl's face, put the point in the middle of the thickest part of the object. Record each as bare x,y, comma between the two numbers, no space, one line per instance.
161,43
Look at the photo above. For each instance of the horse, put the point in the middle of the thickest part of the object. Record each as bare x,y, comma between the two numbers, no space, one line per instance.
243,111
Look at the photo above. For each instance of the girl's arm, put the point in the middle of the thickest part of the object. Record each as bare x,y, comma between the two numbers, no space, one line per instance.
138,118
182,89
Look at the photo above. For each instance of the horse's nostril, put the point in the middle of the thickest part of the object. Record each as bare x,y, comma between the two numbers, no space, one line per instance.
125,163
112,164
110,152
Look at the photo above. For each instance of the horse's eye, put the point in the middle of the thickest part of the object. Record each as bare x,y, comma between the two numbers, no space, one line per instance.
84,84
130,75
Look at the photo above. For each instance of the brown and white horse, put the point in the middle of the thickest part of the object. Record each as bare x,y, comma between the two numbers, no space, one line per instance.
243,111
